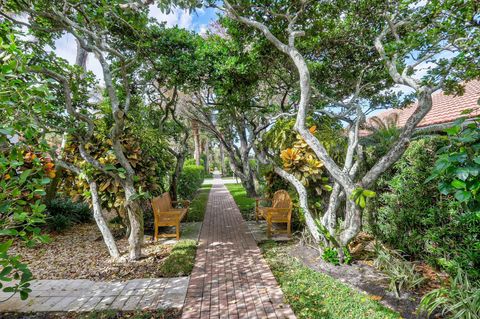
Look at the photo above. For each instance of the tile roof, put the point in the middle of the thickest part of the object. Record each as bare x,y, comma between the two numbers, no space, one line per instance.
445,108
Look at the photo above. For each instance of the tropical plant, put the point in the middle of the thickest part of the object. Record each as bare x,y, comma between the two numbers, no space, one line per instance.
460,299
25,170
410,214
459,163
400,273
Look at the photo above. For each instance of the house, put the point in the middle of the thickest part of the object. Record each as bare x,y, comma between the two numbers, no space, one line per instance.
445,109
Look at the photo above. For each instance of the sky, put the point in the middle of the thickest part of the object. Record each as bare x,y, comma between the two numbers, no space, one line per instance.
198,22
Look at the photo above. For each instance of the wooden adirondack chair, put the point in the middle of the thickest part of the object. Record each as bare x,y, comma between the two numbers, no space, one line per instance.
279,212
166,215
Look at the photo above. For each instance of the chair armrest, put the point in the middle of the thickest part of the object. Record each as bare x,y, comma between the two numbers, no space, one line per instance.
276,209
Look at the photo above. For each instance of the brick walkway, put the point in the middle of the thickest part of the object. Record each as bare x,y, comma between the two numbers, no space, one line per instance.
84,295
230,278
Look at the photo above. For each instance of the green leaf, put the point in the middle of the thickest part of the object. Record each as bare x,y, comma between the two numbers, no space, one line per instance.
462,173
45,181
8,232
23,295
458,184
453,130
368,193
6,271
7,131
462,195
24,176
362,201
5,246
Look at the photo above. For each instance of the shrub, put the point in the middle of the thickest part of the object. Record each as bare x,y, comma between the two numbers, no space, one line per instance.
58,223
400,273
190,180
411,215
62,213
331,255
460,299
192,162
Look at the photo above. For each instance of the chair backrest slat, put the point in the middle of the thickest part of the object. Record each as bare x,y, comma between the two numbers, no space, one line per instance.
162,203
281,199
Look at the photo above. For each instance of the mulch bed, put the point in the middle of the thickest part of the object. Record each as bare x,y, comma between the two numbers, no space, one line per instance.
80,253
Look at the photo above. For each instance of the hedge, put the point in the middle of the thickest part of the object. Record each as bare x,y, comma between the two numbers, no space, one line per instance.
190,180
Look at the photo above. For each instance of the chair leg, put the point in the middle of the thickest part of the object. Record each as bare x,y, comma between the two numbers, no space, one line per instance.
178,231
155,235
289,229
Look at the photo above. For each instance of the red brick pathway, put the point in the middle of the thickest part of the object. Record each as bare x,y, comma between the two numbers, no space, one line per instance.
230,278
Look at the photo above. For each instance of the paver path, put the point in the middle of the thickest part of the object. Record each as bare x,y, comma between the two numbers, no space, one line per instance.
85,295
230,278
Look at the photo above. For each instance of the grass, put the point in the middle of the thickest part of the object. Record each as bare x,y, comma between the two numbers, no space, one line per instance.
315,295
196,212
244,203
181,259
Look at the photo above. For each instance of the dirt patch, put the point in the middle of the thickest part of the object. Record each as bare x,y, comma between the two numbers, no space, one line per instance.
362,277
80,253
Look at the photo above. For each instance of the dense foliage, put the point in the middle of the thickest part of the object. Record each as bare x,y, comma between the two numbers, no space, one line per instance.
25,170
411,215
62,213
190,180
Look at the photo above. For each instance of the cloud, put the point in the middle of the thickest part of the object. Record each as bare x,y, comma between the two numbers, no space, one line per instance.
177,17
66,48
202,29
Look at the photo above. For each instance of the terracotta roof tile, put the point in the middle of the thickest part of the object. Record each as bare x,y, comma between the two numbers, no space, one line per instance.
445,108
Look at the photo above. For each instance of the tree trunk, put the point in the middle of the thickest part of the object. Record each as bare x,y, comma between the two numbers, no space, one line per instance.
101,223
176,176
207,154
196,142
135,216
222,160
249,186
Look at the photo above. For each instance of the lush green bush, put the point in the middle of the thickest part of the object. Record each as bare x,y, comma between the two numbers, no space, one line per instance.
190,180
62,213
411,215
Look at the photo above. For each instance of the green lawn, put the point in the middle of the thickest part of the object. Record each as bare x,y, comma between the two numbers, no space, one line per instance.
181,259
199,204
315,295
244,203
